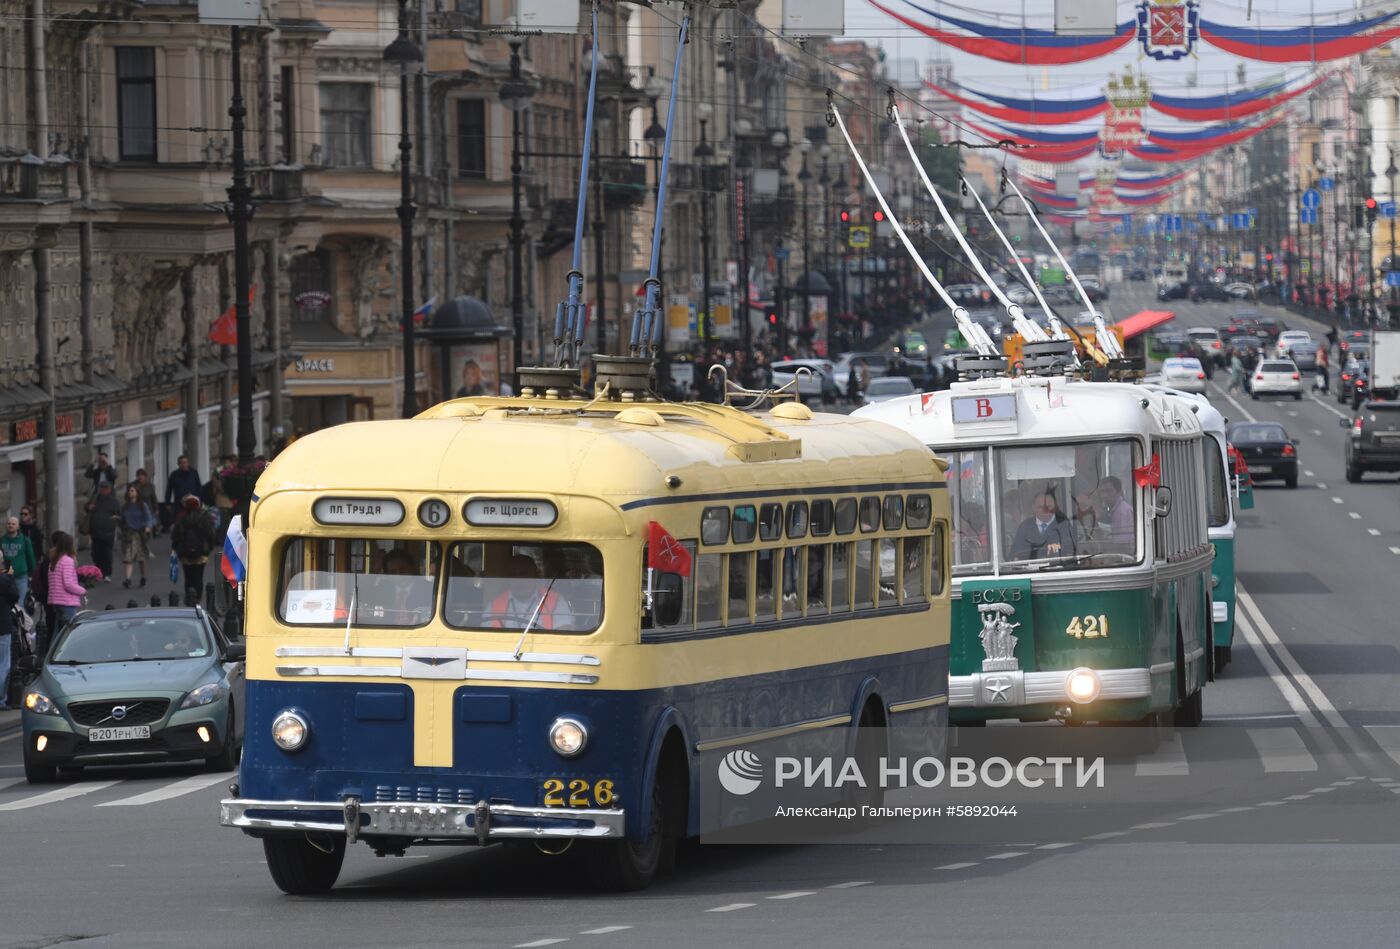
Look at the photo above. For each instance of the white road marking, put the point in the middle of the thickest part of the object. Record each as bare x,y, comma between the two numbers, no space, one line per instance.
1008,855
1272,803
174,789
1053,846
1373,532
1395,550
1322,790
957,866
1317,431
1322,485
1236,810
728,907
1154,825
1297,797
1334,500
1281,682
58,794
1281,750
1199,816
1334,411
1388,737
1307,473
1353,515
793,895
10,737
848,885
539,942
603,930
1292,414
1168,760
1305,681
1243,411
1107,834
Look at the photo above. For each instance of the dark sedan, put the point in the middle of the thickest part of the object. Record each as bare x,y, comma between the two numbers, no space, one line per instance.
1209,291
1267,449
1354,382
1174,291
126,686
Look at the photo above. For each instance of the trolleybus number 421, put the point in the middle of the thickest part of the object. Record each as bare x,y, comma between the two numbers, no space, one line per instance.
1088,627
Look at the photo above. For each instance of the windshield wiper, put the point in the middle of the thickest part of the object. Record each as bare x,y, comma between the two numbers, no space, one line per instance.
520,643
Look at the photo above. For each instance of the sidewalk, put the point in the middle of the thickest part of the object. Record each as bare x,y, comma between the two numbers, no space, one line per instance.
158,583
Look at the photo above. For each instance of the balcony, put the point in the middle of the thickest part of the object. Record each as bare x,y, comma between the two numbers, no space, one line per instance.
278,183
624,182
31,178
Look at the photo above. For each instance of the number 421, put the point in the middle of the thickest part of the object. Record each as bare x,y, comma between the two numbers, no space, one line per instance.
1088,627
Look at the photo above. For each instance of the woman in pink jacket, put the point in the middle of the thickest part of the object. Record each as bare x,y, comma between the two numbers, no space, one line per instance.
65,592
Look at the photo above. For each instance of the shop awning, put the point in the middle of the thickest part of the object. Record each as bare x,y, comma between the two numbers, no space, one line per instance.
22,397
1142,321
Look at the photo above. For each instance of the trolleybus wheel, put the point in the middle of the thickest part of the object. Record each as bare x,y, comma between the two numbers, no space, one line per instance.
1222,658
302,866
1190,710
623,865
870,741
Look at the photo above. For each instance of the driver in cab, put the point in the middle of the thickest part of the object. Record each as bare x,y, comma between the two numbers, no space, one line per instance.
527,595
1046,533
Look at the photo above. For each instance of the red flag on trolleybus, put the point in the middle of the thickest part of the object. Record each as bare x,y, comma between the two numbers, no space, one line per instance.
1150,474
665,553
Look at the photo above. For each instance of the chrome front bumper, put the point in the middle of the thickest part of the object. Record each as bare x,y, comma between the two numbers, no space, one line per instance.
1013,688
482,821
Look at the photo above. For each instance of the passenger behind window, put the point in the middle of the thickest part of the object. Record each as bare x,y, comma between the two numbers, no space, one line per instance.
526,596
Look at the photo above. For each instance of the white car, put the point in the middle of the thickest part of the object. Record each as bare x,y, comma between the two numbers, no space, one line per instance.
820,383
1240,291
1289,339
875,363
1276,377
886,388
1185,373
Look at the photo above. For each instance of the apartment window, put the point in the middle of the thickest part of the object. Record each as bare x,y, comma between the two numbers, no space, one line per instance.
136,102
471,138
345,124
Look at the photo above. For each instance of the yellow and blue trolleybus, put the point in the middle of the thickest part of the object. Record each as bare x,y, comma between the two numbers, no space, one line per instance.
1080,524
462,627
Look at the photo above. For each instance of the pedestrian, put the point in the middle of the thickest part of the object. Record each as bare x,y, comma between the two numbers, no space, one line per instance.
29,527
9,597
1332,338
137,521
100,472
19,554
104,514
65,592
1236,372
182,481
146,489
1324,380
192,538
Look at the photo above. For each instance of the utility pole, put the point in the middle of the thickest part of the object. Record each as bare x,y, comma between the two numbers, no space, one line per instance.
240,211
403,52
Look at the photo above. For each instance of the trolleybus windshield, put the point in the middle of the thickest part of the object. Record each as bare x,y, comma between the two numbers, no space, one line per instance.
383,582
1062,507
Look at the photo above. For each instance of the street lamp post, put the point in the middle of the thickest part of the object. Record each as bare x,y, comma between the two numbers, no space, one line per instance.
240,210
1390,173
779,139
805,176
404,52
703,154
515,95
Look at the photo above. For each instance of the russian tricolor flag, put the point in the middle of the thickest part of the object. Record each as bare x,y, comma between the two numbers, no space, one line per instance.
235,561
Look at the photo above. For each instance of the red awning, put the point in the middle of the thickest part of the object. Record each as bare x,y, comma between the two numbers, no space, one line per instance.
1142,321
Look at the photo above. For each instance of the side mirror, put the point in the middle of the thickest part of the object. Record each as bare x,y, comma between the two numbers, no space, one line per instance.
667,601
236,652
1162,502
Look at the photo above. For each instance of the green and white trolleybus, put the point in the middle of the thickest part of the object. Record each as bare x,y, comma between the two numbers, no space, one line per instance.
1082,562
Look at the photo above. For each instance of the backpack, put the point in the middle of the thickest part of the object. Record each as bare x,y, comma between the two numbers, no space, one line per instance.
189,539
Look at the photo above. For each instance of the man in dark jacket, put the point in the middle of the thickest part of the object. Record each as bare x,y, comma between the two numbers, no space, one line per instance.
182,481
104,513
9,596
192,538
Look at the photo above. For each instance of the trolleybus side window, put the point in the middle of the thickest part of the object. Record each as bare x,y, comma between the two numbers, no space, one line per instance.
740,582
1217,485
894,512
936,578
389,582
867,552
889,570
797,520
846,516
817,579
507,585
841,576
770,522
766,585
684,617
823,517
967,491
709,591
745,524
869,515
915,563
714,525
918,512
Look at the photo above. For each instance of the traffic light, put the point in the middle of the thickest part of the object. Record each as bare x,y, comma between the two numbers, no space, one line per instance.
879,215
1372,209
772,317
1269,256
845,216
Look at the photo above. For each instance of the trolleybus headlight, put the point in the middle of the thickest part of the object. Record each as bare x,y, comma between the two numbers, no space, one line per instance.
1083,685
289,730
568,737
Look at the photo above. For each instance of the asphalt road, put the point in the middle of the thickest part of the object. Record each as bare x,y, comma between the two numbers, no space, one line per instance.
1275,824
